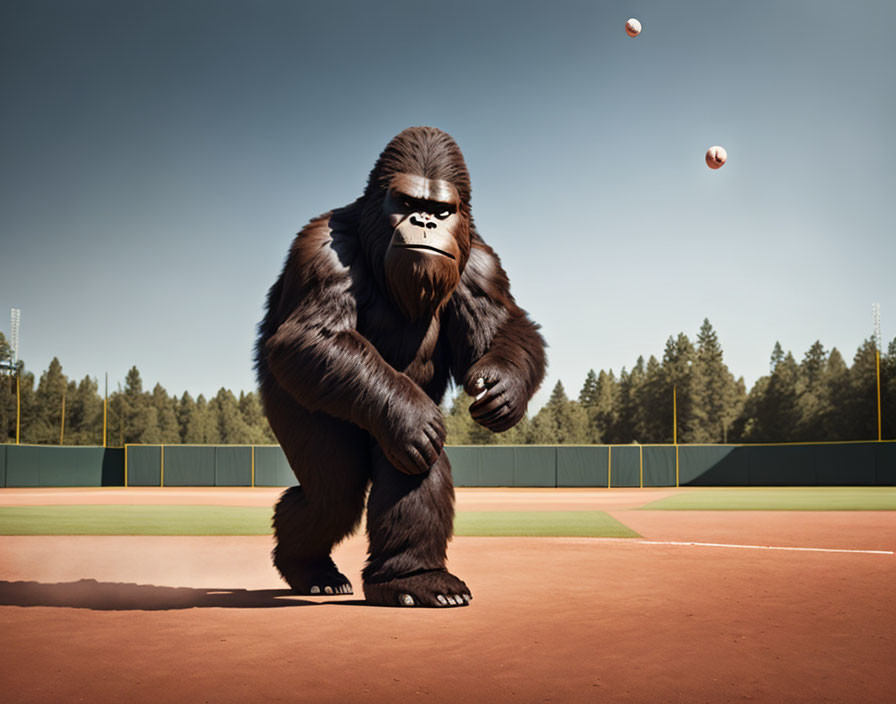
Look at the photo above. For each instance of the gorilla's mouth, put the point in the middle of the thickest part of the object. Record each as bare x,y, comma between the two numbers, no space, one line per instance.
425,246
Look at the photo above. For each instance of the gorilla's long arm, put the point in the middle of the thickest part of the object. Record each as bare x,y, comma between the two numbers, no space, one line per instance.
316,354
493,339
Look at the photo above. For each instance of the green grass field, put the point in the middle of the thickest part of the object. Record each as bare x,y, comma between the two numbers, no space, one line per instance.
824,498
244,520
239,520
587,524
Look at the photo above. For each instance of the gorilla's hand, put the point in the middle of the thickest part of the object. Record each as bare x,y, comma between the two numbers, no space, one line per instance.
411,430
501,396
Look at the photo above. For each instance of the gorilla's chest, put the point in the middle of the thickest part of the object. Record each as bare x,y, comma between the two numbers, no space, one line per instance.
409,347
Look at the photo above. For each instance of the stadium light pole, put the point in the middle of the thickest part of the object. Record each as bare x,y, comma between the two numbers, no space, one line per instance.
62,415
674,414
675,427
105,404
15,319
875,318
18,407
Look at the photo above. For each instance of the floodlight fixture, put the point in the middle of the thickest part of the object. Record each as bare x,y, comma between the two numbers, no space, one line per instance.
15,317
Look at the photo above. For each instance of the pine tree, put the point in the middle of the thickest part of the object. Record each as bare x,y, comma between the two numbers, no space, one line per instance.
627,426
204,423
7,393
569,418
115,418
32,426
656,404
678,363
543,428
837,391
716,401
84,414
888,391
517,435
814,399
588,394
250,408
777,412
47,423
861,401
458,422
777,356
186,409
169,429
603,415
558,395
7,407
141,421
232,428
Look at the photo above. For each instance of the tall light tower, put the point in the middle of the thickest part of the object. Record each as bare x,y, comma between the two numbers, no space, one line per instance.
15,317
875,320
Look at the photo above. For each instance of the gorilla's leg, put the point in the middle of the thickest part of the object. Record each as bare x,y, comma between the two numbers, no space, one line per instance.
331,461
409,522
305,535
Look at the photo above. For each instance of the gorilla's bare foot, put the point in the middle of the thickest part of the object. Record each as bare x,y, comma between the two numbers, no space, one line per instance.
314,579
430,588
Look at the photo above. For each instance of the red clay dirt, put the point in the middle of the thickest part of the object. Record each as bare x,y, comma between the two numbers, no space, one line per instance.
193,619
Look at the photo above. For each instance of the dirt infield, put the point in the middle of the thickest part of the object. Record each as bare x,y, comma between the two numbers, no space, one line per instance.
175,619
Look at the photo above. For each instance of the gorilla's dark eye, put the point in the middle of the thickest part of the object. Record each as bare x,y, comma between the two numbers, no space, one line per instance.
444,214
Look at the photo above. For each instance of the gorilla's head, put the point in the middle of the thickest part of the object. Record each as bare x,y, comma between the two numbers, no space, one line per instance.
416,219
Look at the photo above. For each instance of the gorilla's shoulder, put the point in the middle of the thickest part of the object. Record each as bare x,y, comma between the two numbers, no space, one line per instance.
324,247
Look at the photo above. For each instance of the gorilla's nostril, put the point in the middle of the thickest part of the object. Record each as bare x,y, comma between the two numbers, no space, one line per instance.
430,225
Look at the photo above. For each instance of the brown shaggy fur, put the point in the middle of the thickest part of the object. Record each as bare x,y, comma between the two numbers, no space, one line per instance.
351,382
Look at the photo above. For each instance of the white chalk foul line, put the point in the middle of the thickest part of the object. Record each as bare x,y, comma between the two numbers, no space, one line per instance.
763,547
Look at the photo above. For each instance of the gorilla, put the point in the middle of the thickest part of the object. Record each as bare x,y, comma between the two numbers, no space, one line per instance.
378,304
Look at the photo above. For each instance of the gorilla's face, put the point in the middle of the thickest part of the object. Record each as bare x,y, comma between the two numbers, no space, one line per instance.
430,242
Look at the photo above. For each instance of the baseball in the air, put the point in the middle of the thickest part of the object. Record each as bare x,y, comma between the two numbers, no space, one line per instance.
716,157
633,27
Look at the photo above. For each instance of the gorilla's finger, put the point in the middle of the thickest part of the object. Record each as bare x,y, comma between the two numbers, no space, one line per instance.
489,398
487,408
437,444
429,452
432,432
418,461
494,415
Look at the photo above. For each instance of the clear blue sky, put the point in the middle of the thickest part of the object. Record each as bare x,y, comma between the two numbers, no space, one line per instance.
156,159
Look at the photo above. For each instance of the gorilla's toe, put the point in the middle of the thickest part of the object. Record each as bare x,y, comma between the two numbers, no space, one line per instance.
438,588
314,579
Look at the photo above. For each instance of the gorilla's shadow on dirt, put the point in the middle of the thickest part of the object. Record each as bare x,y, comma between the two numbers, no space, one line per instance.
125,596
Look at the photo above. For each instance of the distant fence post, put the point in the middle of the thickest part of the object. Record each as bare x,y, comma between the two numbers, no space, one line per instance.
641,465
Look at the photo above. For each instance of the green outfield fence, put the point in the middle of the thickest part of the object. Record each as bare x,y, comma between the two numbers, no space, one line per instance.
796,464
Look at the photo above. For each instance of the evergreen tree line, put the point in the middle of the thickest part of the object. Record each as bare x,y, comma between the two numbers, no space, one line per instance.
819,398
132,414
